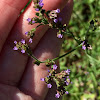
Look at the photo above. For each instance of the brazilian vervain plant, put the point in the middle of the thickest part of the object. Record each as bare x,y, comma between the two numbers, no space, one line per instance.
51,19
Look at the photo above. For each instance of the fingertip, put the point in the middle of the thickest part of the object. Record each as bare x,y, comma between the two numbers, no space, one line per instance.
66,12
51,4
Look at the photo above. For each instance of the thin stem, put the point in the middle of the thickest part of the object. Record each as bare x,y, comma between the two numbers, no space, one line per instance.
32,56
37,59
38,25
73,36
87,33
67,53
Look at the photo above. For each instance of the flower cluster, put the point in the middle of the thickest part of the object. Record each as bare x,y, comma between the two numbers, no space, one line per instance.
38,4
22,46
61,79
30,34
51,19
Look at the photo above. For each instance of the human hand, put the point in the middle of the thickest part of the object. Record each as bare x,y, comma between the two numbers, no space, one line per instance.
19,77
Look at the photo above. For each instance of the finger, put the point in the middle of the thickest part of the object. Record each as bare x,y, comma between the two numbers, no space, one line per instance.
51,93
22,24
12,69
8,92
31,83
48,47
9,10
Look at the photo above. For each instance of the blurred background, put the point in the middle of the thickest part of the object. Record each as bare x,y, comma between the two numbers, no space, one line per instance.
85,67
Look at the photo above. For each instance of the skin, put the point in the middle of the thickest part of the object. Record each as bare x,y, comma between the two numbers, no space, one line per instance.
19,77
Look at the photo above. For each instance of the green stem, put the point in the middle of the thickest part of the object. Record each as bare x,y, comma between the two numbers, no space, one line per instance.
38,25
74,36
67,53
32,56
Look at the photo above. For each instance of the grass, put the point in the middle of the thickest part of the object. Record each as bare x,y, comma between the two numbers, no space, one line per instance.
85,67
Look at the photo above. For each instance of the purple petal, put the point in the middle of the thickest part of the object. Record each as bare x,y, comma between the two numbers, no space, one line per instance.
59,35
66,92
23,41
55,20
64,78
57,10
15,42
23,51
30,40
37,9
48,70
41,4
29,19
67,71
42,79
67,76
49,85
71,82
15,48
83,42
33,21
67,83
26,33
55,67
84,47
57,95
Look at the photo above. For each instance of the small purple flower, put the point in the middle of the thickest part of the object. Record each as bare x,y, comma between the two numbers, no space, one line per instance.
64,78
26,33
83,42
83,47
30,40
55,67
55,20
67,76
60,35
23,41
22,51
67,83
57,95
67,71
37,9
68,79
42,79
29,19
41,4
57,10
33,22
15,42
49,74
49,85
48,70
66,92
71,82
15,48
